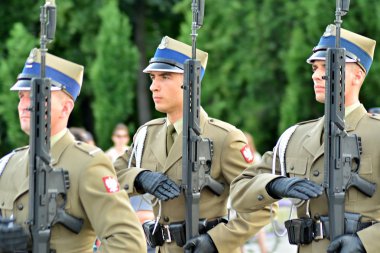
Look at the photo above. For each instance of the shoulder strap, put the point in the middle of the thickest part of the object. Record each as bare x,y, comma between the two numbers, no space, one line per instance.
138,147
4,161
280,147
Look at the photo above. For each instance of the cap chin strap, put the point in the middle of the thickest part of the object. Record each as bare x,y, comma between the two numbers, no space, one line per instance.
166,61
348,53
27,77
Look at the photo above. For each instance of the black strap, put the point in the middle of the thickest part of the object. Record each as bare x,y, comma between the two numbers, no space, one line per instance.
177,232
321,228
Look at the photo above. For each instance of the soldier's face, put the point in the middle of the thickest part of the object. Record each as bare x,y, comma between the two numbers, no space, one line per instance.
23,112
61,107
319,70
352,81
167,92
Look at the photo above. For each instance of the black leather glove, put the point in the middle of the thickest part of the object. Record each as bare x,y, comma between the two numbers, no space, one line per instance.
346,244
12,236
300,188
201,244
157,184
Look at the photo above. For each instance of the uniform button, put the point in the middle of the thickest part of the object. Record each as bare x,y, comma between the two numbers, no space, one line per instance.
126,187
20,207
292,168
316,173
2,203
260,197
166,219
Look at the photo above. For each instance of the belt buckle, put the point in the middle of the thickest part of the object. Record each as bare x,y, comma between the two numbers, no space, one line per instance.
319,230
166,233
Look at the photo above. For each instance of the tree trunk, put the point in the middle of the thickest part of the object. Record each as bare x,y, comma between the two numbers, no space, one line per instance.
143,98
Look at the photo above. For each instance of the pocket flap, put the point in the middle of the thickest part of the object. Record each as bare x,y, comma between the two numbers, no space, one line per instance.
296,166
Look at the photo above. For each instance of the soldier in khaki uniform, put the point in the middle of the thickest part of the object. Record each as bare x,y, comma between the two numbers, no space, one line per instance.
157,169
300,155
94,194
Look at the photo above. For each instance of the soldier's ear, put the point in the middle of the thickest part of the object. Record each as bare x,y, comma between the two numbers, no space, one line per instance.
360,75
67,106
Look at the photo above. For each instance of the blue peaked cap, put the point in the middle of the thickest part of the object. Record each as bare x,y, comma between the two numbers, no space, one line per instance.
359,49
171,55
64,75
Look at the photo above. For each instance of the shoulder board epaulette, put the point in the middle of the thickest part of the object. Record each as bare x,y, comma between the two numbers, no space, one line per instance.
374,116
158,121
308,121
88,149
224,125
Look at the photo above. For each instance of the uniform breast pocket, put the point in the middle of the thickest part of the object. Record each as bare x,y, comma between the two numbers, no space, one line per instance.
296,166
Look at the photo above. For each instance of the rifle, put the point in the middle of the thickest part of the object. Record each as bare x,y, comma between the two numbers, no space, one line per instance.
47,186
342,151
196,151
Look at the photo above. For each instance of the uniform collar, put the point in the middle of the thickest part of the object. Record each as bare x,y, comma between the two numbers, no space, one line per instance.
313,143
55,138
60,145
176,150
351,108
353,118
178,125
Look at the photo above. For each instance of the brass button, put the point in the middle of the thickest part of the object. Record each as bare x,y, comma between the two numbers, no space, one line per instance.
260,197
316,173
166,219
20,206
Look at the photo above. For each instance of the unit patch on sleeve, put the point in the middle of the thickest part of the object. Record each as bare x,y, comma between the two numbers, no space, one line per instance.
111,184
247,153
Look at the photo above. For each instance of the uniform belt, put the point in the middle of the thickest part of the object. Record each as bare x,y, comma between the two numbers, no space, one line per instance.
169,230
177,231
321,227
305,230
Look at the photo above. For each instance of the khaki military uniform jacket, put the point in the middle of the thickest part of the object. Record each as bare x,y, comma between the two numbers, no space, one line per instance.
227,163
106,213
304,158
